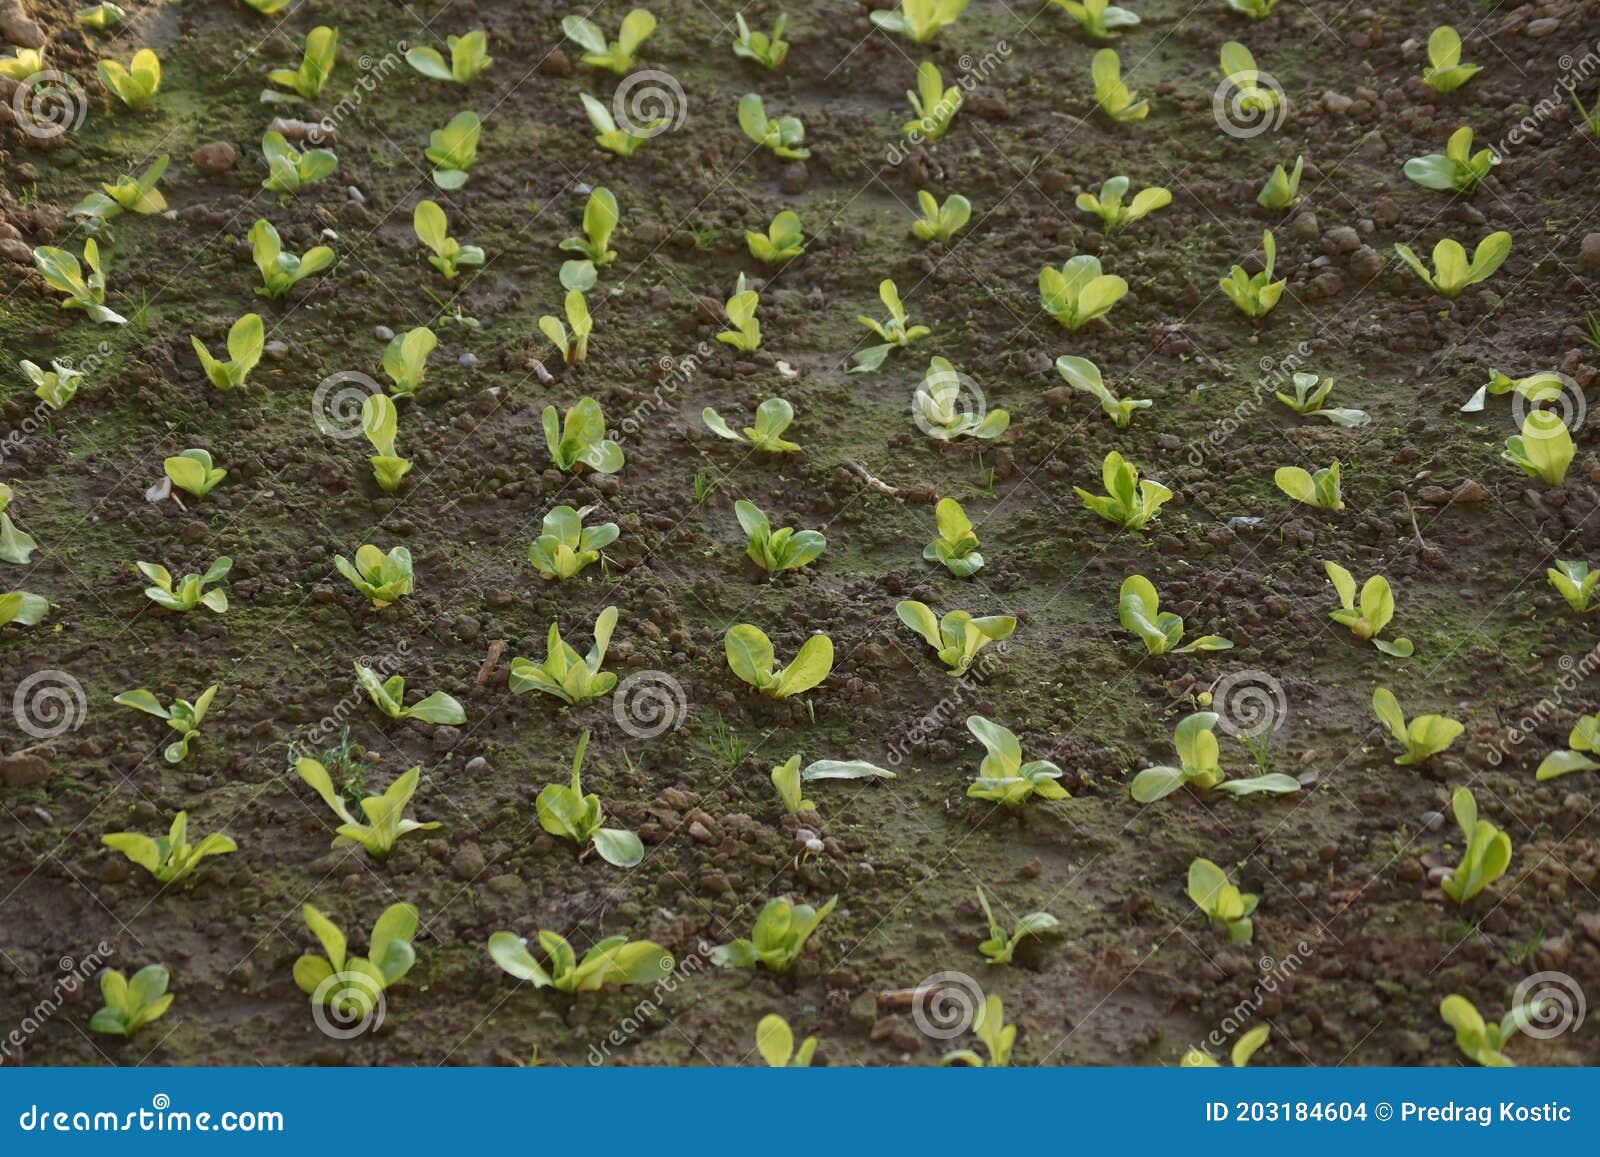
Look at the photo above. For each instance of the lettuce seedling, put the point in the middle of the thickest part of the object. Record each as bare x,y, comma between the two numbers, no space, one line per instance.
622,142
1113,212
132,194
432,228
573,344
775,1043
939,411
580,436
193,473
781,931
22,608
1243,1049
776,551
54,387
1283,187
389,696
137,84
957,546
246,342
940,222
1452,272
101,17
1486,855
1251,97
773,417
1001,945
614,961
405,360
1545,386
600,218
190,592
1256,294
1422,738
1128,502
1458,169
1308,397
22,64
934,104
740,310
783,241
566,675
183,717
1099,19
288,169
1371,615
1111,92
280,271
1479,1041
131,1004
16,546
1200,767
1319,489
1139,610
171,857
769,51
1002,775
997,1036
618,56
316,65
62,273
920,20
1084,376
385,813
565,546
789,779
1221,901
958,636
269,7
380,423
752,660
565,812
896,332
1573,579
453,150
1582,742
785,136
469,55
1544,449
352,986
1445,72
1255,9
1079,292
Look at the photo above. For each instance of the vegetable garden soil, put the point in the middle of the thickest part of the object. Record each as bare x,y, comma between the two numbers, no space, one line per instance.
1354,945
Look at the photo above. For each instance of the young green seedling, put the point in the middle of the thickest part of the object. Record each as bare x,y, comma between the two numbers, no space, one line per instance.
940,222
1128,502
62,273
780,550
783,241
405,360
768,51
189,592
54,387
780,932
453,150
1255,9
615,961
998,1038
1319,489
269,7
1452,272
573,343
1485,856
16,545
135,85
288,169
385,814
193,473
246,341
935,105
1543,449
958,636
775,1043
617,56
1445,72
565,546
1221,901
182,716
740,310
1590,116
1283,187
1422,738
316,65
1200,766
1079,292
956,548
1308,397
131,1004
1256,294
1243,1049
1099,19
1003,777
566,812
940,412
1572,579
389,696
469,55
101,17
171,857
1458,169
753,661
1372,614
600,218
132,194
894,333
1001,946
785,136
773,417
1111,92
1545,386
920,20
1582,743
1139,610
579,436
570,677
1084,376
1479,1041
352,987
1114,212
280,271
432,228
789,780
380,423
22,608
1250,97
622,142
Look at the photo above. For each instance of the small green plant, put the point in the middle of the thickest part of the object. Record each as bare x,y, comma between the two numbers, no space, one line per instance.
1139,610
289,169
998,1038
352,986
54,387
405,360
389,696
1255,9
783,241
246,341
1422,738
1458,169
920,20
1445,72
1543,449
1200,766
432,228
1371,615
182,716
768,51
1452,272
752,660
280,271
101,17
1545,386
785,136
380,423
942,412
1250,97
1001,945
780,550
1485,856
1283,187
565,546
789,780
1221,901
1256,294
385,814
935,105
136,84
570,677
316,66
775,1043
1084,376
1589,116
1572,579
171,857
573,343
1309,396
940,222
1114,212
1003,777
1582,743
1079,292
16,546
132,194
566,812
614,961
1319,489
469,56
1243,1049
600,218
579,436
131,1004
383,578
1111,92
62,273
780,932
958,636
1099,19
773,417
894,333
1130,503
22,608
622,142
453,150
618,55
740,310
189,592
956,548
1481,1042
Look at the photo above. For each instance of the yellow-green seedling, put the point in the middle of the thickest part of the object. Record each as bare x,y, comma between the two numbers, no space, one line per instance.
1079,292
54,387
24,62
1485,855
1111,92
1452,272
380,424
189,592
776,551
1084,376
753,661
1545,386
1481,1042
956,548
1543,449
573,343
565,546
919,20
896,332
135,84
1130,503
1243,1049
958,636
617,56
740,310
566,812
132,194
171,857
246,341
1139,610
448,255
22,608
935,105
998,1038
1572,579
352,987
1458,169
386,820
1283,187
16,544
1114,211
773,417
269,7
1001,946
600,218
775,1043
130,1004
789,779
579,437
192,472
453,150
611,138
1371,614
783,241
389,696
1003,777
182,716
570,677
1445,72
280,271
290,169
1200,766
1583,742
383,578
1256,294
316,65
613,962
469,55
1421,738
942,411
1221,901
780,932
62,273
405,360
1250,96
770,51
1319,488
1309,397
785,136
1099,19
1255,9
940,222
101,17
